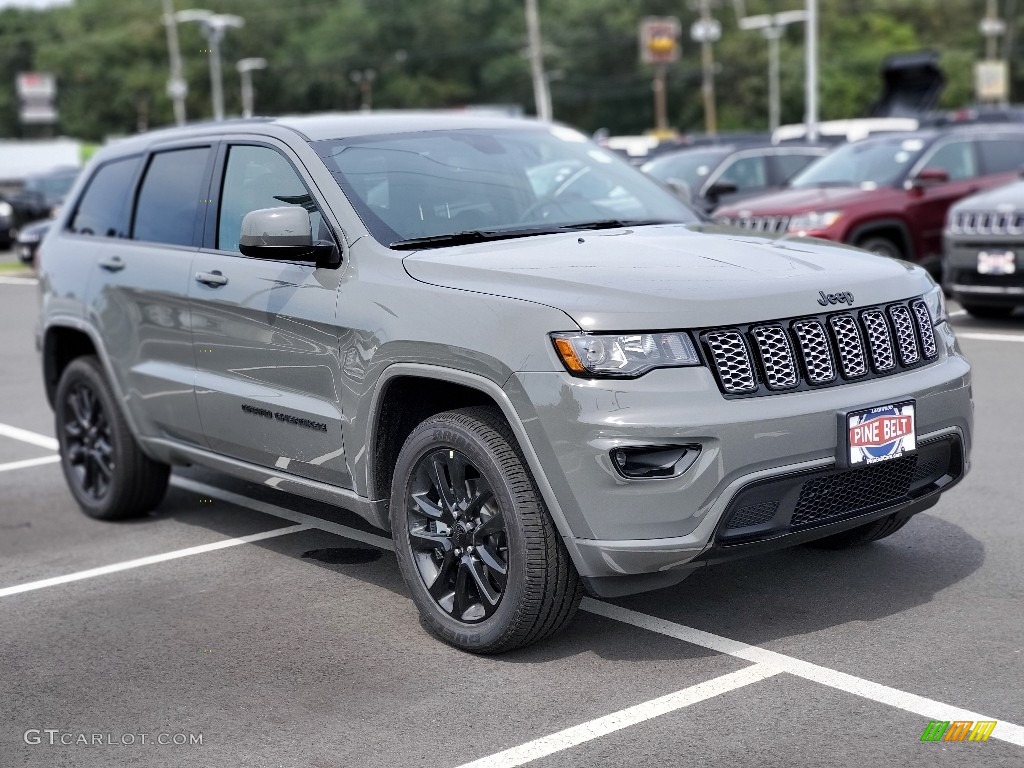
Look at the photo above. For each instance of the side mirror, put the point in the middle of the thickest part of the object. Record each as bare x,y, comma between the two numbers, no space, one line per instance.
929,177
283,234
720,188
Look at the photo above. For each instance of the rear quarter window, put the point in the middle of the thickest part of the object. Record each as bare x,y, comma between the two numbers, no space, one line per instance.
103,207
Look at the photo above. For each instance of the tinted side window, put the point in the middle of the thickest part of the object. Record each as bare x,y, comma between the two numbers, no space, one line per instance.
956,158
103,209
789,166
745,173
260,177
1001,155
171,195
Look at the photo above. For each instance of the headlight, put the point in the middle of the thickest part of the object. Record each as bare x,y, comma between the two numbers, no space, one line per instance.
625,355
6,209
936,303
807,222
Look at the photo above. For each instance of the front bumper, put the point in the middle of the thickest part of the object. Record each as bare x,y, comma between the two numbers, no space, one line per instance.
655,530
963,281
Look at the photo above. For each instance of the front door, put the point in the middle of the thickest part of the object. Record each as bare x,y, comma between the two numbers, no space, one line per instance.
266,346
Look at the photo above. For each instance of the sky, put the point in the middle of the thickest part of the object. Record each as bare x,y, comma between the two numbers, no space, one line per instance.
32,3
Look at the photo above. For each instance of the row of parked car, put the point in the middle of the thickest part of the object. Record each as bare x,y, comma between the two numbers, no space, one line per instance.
898,194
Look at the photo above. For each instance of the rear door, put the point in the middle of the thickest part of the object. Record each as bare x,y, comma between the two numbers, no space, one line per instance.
140,304
266,347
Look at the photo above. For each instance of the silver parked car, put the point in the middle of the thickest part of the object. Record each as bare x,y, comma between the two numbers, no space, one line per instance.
983,255
494,338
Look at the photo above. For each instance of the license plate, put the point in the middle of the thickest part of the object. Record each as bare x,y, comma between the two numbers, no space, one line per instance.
996,263
879,434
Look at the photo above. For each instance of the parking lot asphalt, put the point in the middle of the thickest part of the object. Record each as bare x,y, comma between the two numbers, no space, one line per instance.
279,633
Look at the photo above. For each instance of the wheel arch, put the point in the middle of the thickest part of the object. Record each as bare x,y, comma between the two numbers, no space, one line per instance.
388,426
891,229
63,341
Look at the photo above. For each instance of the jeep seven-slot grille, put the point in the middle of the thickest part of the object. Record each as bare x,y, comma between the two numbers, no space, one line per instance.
807,352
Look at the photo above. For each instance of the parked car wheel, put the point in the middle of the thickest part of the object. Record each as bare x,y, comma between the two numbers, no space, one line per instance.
476,545
864,534
988,311
109,476
883,246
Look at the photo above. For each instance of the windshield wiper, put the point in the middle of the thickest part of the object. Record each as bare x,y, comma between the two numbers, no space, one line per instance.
470,236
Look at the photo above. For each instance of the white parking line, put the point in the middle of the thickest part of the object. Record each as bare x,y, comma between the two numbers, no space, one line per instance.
909,702
593,729
151,560
991,336
958,312
762,658
28,463
33,438
18,281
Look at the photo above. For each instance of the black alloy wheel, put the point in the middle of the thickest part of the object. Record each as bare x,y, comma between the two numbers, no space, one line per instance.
458,536
106,470
87,441
478,549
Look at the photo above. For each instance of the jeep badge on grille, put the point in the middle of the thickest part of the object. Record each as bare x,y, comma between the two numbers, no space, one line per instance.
835,298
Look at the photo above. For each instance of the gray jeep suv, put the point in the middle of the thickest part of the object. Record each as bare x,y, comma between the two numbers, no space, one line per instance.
540,388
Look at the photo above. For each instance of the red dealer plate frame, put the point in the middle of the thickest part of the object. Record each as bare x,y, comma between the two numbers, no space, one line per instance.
879,433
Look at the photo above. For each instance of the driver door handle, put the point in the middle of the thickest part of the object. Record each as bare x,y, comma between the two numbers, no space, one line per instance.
112,264
213,279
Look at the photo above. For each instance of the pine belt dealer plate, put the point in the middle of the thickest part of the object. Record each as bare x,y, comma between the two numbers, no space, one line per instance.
881,433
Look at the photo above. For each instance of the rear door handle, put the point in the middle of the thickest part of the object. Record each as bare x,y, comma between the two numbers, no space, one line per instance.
213,279
112,264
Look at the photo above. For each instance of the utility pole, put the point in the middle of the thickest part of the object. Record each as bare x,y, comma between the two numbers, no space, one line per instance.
992,15
811,51
535,50
177,89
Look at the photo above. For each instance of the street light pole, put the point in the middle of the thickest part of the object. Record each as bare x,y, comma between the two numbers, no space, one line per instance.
214,26
707,66
773,26
811,51
177,89
245,68
535,49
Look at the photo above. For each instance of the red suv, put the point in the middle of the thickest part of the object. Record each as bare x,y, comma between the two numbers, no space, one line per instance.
888,194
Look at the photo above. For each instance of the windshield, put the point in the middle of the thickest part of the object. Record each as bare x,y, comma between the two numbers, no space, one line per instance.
441,183
689,167
869,164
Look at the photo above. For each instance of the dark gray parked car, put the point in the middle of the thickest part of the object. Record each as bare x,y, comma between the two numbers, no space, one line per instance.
710,176
983,258
539,387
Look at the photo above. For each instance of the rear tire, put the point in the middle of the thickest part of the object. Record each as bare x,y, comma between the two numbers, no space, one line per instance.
477,548
864,534
988,311
107,473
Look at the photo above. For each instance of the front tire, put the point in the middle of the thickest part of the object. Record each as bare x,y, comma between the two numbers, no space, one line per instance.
882,246
475,543
107,473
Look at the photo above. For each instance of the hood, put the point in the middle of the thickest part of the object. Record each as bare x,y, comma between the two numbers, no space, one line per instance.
1008,198
669,276
790,201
